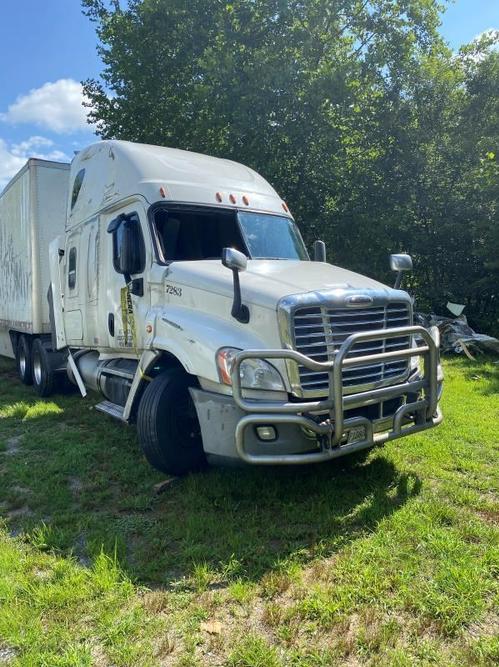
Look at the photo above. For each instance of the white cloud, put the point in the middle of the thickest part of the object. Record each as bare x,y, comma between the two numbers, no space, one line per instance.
9,164
14,156
479,47
56,106
32,143
490,33
484,43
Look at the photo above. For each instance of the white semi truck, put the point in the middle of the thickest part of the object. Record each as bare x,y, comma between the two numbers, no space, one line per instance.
178,286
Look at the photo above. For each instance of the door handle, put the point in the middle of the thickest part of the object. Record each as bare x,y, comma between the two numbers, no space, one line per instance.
110,323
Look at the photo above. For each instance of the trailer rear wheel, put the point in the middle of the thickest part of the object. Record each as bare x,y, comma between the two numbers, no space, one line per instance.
167,425
44,377
23,360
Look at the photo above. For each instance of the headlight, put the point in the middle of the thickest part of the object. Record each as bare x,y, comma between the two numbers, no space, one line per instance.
255,373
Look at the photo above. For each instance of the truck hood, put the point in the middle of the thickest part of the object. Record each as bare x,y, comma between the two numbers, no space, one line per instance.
265,282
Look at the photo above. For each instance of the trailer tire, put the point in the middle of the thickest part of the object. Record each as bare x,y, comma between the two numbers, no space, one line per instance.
24,360
44,378
167,425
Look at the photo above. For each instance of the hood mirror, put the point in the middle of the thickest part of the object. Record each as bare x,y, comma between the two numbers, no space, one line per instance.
236,261
400,263
319,251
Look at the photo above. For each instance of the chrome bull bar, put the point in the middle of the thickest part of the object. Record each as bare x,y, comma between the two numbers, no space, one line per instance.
331,431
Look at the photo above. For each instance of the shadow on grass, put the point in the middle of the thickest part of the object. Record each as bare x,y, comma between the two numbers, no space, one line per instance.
484,369
85,487
489,377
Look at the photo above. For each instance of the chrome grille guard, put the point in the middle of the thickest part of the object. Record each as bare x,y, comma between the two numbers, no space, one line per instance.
331,431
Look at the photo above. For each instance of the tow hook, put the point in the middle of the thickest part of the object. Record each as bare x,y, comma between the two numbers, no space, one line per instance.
326,439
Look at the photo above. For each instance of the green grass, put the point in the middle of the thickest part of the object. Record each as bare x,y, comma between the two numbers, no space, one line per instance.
386,558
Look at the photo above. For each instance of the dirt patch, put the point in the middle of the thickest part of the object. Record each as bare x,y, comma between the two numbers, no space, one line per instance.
42,574
490,516
20,512
7,655
20,490
487,627
12,446
75,485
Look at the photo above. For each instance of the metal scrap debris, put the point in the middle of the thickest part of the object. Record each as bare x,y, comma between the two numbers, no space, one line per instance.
456,336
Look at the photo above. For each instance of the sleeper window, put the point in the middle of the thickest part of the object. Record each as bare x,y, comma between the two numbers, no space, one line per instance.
72,269
78,182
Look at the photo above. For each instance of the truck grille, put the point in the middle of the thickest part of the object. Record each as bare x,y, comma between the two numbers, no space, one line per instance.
319,332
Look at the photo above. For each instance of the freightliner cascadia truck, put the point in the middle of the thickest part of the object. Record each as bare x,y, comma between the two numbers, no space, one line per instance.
178,287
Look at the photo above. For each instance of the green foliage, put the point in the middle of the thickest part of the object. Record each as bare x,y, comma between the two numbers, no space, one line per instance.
253,652
377,135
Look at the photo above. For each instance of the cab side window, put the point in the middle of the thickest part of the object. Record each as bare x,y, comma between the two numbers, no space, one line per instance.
72,268
196,234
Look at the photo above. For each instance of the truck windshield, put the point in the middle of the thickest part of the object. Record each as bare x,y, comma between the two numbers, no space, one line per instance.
271,236
186,234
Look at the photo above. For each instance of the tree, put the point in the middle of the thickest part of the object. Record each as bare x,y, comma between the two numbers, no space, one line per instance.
479,133
355,110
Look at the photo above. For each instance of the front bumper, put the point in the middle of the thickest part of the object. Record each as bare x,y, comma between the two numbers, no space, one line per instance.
229,425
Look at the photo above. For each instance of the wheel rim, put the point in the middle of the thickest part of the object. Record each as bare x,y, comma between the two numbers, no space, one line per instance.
22,361
37,368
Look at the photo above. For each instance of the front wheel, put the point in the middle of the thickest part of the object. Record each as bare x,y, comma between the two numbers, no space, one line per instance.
167,425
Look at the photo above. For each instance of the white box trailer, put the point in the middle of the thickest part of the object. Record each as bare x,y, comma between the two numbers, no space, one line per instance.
32,213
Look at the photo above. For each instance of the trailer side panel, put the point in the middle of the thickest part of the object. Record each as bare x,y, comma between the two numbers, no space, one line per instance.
32,213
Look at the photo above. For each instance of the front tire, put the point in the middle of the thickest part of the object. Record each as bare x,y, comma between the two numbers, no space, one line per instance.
24,360
167,425
44,378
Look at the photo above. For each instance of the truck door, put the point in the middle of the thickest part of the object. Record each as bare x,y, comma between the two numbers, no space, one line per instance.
90,252
81,290
73,292
125,293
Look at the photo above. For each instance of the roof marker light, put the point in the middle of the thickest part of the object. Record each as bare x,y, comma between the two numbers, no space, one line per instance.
246,200
218,196
232,199
285,207
162,192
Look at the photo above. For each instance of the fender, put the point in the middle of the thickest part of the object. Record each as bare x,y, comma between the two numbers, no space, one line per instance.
193,339
146,361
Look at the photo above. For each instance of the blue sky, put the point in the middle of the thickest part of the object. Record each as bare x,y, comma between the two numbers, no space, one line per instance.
47,47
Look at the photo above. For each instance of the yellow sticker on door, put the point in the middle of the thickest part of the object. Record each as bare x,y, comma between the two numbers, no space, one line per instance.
128,319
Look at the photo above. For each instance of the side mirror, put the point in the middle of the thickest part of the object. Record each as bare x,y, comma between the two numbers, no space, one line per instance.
400,263
128,245
319,251
236,261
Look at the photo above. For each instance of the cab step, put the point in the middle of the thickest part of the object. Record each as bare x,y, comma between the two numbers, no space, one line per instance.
111,409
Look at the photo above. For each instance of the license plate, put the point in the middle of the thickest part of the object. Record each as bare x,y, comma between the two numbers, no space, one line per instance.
356,433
